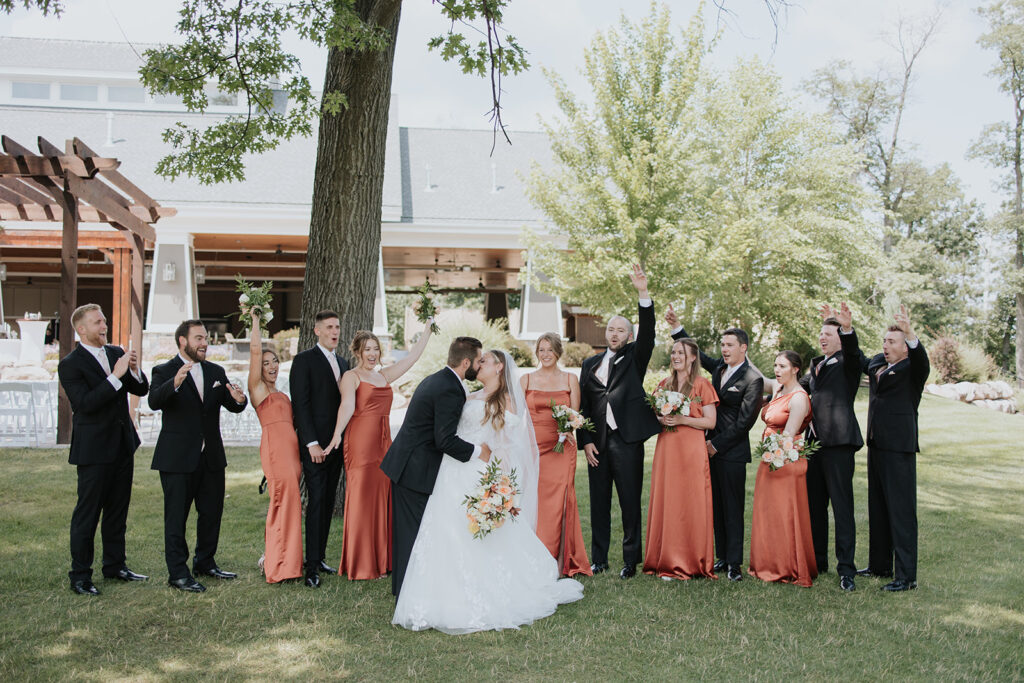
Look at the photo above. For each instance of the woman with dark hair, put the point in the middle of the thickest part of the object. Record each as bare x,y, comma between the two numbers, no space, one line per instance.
558,519
680,522
365,411
279,456
781,544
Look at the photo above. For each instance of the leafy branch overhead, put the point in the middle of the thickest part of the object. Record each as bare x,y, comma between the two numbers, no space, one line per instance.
236,49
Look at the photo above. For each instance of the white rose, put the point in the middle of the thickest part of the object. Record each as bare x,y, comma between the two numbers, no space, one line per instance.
778,462
268,316
243,299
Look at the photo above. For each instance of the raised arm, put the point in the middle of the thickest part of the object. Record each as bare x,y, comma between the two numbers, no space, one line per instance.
257,389
919,365
393,372
349,384
707,362
645,330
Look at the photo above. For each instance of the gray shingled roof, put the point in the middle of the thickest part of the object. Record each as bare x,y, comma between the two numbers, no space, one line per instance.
70,55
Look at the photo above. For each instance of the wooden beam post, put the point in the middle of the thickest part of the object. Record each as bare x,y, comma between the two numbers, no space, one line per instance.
68,301
120,316
136,260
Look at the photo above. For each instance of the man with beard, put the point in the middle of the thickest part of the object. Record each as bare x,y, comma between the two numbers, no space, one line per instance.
612,396
190,454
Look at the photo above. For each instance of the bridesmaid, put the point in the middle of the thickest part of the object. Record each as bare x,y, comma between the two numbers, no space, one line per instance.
558,520
279,456
365,411
680,526
781,545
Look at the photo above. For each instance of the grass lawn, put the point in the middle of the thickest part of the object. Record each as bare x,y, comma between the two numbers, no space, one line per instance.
965,621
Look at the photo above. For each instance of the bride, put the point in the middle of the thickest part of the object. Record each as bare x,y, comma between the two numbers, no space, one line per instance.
459,584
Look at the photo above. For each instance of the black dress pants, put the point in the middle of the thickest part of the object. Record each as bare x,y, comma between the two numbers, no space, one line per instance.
620,463
892,512
321,491
204,487
407,508
830,480
728,497
103,490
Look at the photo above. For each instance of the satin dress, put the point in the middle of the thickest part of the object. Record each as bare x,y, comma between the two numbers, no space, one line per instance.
558,518
781,545
366,541
279,457
680,518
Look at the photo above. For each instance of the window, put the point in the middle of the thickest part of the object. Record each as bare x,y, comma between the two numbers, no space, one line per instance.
30,91
83,93
125,93
165,98
222,99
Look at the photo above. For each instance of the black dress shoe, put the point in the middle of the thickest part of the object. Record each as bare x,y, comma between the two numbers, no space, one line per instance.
846,583
313,580
84,587
628,571
868,571
735,574
599,567
324,569
126,574
718,566
218,573
187,584
899,585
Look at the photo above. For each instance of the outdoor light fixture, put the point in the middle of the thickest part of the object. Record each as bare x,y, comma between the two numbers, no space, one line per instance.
200,275
3,272
147,273
169,272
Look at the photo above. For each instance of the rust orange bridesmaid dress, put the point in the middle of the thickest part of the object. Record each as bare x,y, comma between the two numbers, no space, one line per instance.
558,519
279,456
680,523
781,545
366,540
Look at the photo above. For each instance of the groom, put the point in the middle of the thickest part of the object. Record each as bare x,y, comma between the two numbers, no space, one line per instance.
427,434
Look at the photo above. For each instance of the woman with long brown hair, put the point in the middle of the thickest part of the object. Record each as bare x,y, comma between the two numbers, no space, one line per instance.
680,528
558,519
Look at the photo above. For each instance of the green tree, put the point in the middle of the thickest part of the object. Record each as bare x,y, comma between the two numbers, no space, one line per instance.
740,209
1000,144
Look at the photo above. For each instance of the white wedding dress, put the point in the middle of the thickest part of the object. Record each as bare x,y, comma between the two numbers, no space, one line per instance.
459,584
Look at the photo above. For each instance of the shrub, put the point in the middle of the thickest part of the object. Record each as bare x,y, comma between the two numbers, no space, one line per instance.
521,353
575,353
945,359
975,364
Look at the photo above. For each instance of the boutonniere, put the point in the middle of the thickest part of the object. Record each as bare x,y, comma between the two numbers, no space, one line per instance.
892,372
215,384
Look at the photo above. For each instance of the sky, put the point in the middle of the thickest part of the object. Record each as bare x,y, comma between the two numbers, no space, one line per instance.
952,98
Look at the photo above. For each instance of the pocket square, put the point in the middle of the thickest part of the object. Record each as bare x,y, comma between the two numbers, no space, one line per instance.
616,361
892,372
732,389
215,384
832,360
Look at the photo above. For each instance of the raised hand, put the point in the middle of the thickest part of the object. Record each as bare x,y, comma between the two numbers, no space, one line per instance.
182,373
120,366
826,312
639,280
845,317
671,318
133,360
903,322
236,393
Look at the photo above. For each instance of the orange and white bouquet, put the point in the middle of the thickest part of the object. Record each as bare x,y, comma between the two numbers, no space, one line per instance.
494,501
666,402
568,420
778,449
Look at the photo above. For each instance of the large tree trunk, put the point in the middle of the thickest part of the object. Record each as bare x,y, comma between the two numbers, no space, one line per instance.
344,229
1018,216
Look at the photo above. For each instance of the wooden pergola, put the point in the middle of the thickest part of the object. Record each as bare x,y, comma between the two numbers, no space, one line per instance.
79,186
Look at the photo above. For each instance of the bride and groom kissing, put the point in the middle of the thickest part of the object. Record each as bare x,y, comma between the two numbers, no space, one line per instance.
443,577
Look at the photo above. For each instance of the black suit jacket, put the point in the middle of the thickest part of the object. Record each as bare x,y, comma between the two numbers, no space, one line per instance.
739,404
315,396
190,425
101,422
428,433
894,399
625,390
833,389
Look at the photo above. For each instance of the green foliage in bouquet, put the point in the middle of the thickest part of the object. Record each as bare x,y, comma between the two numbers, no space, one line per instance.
252,298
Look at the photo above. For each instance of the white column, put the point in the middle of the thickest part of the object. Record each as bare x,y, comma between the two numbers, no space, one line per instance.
539,312
172,288
380,308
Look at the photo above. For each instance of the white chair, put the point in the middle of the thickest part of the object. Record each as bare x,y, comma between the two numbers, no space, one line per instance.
17,415
44,396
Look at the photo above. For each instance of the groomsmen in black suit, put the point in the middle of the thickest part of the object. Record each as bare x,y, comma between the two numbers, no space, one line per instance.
832,382
316,395
189,455
897,377
97,379
427,434
612,396
739,386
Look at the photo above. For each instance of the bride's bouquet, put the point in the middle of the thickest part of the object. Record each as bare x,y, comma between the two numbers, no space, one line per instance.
493,501
568,420
252,298
778,450
665,403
